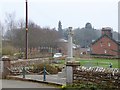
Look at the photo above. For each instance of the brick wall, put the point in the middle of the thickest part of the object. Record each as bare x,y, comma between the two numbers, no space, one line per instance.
105,46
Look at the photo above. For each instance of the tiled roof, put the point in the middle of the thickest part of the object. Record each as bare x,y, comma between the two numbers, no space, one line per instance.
105,36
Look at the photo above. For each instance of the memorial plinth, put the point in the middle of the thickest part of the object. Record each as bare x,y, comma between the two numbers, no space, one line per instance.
70,66
73,63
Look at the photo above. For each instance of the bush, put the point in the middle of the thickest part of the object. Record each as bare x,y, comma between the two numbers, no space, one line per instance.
19,55
8,50
50,69
51,58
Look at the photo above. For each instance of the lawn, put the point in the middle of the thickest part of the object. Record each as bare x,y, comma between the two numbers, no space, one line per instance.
99,62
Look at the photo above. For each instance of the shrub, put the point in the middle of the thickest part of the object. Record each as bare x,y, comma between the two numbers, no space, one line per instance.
50,69
19,55
8,50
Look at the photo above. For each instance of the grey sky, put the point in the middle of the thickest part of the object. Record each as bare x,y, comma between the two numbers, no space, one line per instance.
75,13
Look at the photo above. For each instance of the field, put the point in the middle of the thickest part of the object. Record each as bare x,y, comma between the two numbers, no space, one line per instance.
96,62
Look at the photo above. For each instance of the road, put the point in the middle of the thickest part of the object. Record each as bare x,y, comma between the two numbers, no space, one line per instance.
49,78
23,84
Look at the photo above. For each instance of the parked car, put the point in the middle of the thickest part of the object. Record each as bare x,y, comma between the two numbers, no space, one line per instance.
57,55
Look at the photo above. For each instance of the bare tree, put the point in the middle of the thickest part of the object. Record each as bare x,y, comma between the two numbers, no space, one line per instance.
1,30
21,24
10,24
10,21
37,36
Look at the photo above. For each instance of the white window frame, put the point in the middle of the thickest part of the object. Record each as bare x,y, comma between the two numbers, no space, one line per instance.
109,44
101,44
105,51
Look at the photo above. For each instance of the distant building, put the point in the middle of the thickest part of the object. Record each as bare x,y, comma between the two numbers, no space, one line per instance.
63,47
105,45
84,51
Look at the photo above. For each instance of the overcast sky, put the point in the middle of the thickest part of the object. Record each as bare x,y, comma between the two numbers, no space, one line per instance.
75,13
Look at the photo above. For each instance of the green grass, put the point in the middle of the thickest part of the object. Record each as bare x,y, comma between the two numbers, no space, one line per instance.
94,62
99,62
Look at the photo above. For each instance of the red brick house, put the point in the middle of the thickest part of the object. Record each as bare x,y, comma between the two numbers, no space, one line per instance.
105,45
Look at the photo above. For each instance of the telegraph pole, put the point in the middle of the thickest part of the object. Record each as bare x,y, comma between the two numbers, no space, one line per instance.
26,39
26,51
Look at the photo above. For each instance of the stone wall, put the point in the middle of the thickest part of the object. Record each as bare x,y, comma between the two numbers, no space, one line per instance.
109,77
17,66
23,62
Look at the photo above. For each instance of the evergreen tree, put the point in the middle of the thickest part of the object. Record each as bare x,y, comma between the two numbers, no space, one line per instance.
60,30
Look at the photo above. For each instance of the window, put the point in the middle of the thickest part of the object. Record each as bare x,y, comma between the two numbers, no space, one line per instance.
109,44
101,44
105,51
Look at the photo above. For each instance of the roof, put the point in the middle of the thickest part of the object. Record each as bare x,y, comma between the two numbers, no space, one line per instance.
83,49
106,28
62,40
5,57
107,37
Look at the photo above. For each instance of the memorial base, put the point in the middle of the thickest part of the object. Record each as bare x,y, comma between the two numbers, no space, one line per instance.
70,66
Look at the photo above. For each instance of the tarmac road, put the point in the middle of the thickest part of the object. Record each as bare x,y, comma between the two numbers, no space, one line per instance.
23,84
49,78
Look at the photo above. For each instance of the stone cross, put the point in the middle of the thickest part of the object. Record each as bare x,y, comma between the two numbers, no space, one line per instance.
71,64
70,44
69,69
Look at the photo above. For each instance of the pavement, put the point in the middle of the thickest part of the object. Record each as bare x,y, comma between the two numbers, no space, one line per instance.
23,84
50,79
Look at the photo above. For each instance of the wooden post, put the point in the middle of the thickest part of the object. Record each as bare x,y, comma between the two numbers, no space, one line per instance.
26,53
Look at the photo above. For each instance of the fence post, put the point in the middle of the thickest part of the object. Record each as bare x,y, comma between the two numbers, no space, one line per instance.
5,66
44,74
23,71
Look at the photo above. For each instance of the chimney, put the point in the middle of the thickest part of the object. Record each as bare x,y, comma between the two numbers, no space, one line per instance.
107,31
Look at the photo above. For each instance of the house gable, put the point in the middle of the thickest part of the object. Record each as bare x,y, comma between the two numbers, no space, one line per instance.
105,46
107,37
